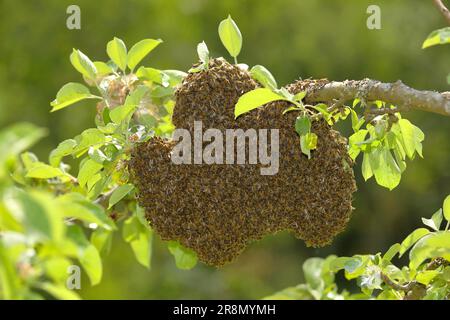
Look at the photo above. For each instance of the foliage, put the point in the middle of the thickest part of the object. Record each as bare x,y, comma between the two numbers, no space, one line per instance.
426,276
50,218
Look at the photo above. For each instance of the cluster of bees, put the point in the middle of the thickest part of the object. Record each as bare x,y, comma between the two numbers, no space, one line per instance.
218,209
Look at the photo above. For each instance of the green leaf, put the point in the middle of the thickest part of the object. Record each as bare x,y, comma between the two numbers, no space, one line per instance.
185,258
121,113
139,51
393,250
299,96
203,53
312,269
87,254
426,276
302,125
308,142
117,51
356,122
69,94
433,245
411,136
154,75
41,170
88,169
263,76
411,239
102,240
254,99
92,137
36,211
103,69
119,194
355,141
63,149
366,169
17,138
386,171
140,239
175,76
77,206
440,36
83,64
435,221
446,208
231,36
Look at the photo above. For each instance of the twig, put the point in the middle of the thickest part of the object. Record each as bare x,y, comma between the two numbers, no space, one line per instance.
397,94
443,9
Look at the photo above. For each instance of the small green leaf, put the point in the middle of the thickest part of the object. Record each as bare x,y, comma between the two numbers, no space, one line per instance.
299,96
308,142
140,239
119,194
302,125
203,53
83,64
117,51
88,169
69,94
440,36
263,76
446,208
435,221
41,170
411,239
254,99
185,258
87,254
231,36
140,50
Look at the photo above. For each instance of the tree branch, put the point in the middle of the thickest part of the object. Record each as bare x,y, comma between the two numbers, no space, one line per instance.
397,94
443,9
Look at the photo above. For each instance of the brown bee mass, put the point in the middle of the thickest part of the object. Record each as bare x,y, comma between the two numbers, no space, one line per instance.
217,210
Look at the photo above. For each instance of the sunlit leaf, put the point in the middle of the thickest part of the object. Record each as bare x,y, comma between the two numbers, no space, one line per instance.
254,99
140,50
231,36
69,94
184,258
117,51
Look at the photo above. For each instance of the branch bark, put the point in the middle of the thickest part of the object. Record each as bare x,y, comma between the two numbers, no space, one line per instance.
443,9
398,94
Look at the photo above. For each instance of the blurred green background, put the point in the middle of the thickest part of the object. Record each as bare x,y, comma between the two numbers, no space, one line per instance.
292,38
